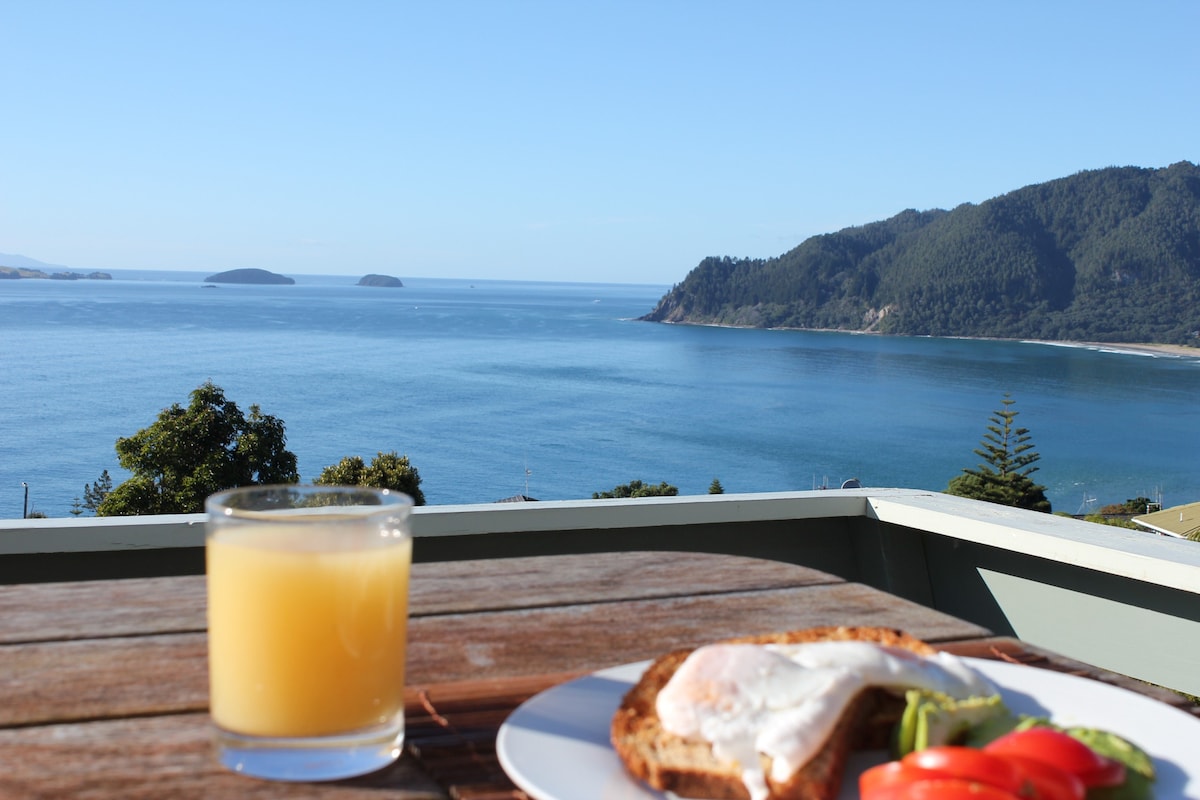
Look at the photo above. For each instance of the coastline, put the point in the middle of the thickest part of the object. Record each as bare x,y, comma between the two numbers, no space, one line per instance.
1138,348
1126,348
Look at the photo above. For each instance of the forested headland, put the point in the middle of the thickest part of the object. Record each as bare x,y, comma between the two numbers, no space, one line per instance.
1109,255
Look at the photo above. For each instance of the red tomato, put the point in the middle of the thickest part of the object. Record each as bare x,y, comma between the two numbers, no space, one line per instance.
1063,751
951,789
893,773
968,764
1047,781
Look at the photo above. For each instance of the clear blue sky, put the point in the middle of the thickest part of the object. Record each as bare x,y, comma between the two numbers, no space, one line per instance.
604,141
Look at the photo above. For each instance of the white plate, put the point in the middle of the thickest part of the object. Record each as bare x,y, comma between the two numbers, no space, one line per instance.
555,746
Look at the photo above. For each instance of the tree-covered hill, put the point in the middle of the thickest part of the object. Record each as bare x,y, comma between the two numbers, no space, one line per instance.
1105,255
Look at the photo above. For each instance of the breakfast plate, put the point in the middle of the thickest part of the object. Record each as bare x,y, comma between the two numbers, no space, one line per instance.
555,746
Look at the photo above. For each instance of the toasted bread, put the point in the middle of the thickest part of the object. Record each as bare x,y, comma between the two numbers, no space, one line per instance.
688,768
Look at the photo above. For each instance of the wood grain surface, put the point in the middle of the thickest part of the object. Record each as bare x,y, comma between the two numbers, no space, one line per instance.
104,685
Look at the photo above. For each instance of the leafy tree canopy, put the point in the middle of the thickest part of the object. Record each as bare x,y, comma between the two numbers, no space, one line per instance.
386,471
1134,505
638,489
1116,522
1010,457
189,453
715,487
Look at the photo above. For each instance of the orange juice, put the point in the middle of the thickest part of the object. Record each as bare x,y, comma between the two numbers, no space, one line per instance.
306,640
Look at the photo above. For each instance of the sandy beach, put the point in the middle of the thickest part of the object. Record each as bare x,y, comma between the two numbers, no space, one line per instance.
1169,350
1134,348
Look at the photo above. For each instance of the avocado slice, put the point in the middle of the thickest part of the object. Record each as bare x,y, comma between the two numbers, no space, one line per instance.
931,719
1139,767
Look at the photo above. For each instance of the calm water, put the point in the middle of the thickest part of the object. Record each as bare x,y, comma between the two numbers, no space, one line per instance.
477,382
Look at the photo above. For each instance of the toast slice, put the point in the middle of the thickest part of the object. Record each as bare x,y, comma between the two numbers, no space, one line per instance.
688,767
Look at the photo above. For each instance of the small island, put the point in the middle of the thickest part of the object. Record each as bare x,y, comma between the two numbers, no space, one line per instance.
17,273
386,281
250,275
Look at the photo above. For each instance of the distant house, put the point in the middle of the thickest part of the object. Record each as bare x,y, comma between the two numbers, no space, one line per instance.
518,498
1182,522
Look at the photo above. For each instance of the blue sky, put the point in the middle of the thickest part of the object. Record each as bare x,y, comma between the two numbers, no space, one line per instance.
607,141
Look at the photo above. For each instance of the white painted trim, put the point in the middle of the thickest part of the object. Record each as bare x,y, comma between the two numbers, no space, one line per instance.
1126,552
88,534
99,534
646,512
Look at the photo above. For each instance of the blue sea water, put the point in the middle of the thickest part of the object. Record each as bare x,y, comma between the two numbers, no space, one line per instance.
480,382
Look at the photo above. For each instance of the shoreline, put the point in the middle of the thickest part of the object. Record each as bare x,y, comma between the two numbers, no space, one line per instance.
1131,348
1124,348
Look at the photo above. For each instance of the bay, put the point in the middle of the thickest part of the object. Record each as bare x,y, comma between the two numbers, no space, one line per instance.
553,390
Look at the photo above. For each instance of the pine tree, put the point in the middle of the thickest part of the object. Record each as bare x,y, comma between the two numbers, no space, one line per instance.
94,495
1010,458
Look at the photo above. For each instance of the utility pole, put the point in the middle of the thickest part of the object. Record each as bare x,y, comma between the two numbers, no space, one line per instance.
25,510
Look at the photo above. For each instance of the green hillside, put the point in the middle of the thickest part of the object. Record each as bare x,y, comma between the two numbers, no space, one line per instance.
1109,255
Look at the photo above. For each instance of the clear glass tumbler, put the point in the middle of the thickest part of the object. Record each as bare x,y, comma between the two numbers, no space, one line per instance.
307,619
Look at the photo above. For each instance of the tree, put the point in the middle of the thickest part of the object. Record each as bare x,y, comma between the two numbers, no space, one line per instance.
1103,255
638,489
1010,457
715,487
94,495
1116,522
191,453
386,471
1134,505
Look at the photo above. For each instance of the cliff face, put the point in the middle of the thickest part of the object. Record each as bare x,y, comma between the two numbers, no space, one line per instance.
250,275
1106,255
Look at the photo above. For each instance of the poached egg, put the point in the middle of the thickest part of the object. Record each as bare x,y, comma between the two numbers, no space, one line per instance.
784,701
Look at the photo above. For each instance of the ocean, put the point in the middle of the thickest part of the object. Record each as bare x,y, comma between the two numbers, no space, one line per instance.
553,390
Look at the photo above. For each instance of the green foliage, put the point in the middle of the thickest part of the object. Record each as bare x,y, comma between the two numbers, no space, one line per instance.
189,453
76,507
1134,505
1009,456
1108,255
638,489
1116,522
94,495
715,487
386,471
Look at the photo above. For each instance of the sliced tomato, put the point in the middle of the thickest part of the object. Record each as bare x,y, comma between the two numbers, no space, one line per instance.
893,773
966,763
1111,774
1046,781
952,789
1063,751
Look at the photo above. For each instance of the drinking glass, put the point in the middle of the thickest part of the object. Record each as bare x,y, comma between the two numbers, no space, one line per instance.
307,617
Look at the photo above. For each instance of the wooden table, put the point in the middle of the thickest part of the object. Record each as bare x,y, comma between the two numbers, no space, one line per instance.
104,684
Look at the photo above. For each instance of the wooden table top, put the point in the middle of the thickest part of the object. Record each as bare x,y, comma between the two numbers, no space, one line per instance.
104,684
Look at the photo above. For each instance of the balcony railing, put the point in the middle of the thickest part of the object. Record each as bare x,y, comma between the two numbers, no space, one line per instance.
1125,600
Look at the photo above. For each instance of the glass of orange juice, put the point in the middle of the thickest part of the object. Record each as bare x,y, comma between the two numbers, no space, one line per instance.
307,617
